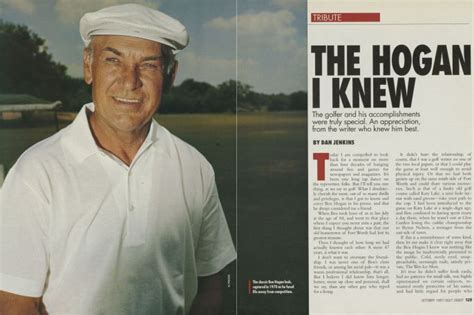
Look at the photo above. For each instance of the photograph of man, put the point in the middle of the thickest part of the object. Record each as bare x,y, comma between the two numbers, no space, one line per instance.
114,214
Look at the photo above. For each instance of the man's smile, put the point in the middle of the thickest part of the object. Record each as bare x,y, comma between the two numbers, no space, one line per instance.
127,100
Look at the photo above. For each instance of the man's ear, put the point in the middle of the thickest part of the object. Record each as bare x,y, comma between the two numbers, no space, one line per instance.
174,70
87,66
170,75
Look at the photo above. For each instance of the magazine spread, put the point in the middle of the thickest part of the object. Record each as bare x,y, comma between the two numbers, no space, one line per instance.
390,157
351,197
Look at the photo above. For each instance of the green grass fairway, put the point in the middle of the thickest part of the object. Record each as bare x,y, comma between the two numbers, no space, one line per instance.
269,217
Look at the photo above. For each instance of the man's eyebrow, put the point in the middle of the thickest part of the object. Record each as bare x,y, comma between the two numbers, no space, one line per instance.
113,50
148,58
153,58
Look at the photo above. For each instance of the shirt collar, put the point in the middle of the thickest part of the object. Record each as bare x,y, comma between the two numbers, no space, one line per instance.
80,141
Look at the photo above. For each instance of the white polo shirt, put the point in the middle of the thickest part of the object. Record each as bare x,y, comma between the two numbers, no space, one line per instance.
94,236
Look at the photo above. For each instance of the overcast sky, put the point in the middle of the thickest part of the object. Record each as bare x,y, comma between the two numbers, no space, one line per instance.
270,53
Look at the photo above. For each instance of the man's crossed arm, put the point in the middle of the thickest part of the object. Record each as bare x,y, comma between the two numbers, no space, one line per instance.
12,304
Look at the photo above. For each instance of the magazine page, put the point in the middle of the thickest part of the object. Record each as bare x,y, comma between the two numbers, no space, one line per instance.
239,98
42,89
390,141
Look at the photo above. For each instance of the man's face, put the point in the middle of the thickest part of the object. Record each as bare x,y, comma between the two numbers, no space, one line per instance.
127,76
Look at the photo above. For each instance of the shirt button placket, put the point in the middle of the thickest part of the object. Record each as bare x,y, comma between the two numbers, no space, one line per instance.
130,208
129,188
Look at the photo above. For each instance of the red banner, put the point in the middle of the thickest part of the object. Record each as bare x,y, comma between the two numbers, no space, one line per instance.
344,17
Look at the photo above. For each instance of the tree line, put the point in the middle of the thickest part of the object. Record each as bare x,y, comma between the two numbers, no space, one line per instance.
28,68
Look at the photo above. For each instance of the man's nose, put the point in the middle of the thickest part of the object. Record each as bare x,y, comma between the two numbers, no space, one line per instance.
130,78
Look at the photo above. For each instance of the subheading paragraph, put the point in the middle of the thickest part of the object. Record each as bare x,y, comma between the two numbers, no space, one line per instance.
366,122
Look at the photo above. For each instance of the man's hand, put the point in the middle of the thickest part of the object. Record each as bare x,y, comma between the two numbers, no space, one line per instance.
12,304
208,300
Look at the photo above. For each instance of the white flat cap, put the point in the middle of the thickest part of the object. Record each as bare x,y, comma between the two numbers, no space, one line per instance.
137,21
